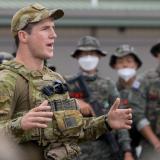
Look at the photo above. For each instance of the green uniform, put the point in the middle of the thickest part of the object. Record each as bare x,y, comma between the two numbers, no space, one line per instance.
21,90
133,98
104,92
151,91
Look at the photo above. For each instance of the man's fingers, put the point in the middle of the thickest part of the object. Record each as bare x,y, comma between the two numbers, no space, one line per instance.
41,108
40,119
129,116
39,125
42,114
127,126
116,104
128,111
44,103
129,122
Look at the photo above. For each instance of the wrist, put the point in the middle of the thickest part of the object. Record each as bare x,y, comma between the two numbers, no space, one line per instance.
106,123
128,155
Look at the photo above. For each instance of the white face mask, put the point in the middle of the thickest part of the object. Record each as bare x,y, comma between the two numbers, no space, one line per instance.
88,62
126,73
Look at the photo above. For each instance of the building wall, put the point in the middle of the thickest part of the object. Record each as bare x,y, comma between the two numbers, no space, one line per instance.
141,38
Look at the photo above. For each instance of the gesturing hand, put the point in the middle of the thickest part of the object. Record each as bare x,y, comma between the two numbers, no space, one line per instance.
119,118
85,108
37,117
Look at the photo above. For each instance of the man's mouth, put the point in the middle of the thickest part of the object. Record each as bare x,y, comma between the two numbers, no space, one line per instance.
50,45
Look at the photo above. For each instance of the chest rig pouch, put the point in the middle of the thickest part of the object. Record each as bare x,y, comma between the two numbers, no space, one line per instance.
67,118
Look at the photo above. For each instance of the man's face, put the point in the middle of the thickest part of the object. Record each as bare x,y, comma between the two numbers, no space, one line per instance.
126,62
41,40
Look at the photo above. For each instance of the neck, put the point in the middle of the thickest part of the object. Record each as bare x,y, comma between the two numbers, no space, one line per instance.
90,73
127,84
26,58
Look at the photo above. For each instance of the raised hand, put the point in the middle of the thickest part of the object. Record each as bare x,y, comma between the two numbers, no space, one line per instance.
37,117
119,118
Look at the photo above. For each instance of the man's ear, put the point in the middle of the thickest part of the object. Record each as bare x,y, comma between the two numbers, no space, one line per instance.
23,36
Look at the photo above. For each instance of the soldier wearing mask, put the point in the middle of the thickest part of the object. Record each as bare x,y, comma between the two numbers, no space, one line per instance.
103,93
126,62
151,90
35,108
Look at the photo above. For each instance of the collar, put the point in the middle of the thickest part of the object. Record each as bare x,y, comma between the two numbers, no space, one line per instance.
122,85
89,77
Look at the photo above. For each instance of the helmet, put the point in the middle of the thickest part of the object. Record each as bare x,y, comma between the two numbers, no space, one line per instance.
5,56
122,51
155,50
88,43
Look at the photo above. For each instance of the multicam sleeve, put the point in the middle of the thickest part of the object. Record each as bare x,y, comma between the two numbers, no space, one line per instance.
8,127
94,127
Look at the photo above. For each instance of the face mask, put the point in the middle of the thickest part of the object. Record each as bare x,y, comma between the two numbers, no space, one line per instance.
88,62
126,73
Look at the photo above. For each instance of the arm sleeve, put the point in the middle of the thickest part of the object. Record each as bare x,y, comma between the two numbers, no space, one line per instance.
137,100
113,92
8,126
124,140
94,127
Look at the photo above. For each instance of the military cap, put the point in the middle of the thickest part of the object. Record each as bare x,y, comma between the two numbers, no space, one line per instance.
32,13
122,51
5,56
155,50
88,43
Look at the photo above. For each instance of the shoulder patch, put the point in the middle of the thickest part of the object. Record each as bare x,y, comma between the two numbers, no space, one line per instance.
136,84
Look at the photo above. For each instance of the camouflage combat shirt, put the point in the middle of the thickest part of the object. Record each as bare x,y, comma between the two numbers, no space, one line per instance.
151,91
105,92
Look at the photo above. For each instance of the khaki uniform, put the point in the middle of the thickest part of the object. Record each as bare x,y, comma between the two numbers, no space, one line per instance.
104,92
21,90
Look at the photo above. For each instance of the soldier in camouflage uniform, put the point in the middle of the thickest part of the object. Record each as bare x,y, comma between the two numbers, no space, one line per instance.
104,93
35,108
151,91
126,62
4,56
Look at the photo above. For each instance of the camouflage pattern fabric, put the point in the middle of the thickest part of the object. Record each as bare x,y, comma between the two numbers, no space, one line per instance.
32,13
151,90
134,98
21,90
104,91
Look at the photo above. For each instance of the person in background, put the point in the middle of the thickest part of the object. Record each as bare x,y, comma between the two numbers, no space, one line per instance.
4,56
102,93
151,90
126,62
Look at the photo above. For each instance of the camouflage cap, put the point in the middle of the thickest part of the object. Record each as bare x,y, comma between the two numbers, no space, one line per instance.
123,51
32,13
155,50
88,43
